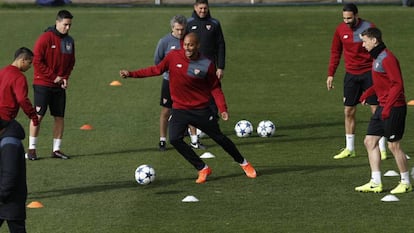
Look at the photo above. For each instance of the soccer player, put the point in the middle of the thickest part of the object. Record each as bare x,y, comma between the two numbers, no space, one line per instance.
193,82
13,95
172,40
53,63
358,78
212,43
389,118
208,29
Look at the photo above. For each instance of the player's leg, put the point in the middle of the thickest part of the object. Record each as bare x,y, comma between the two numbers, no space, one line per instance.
374,133
394,131
373,102
195,141
57,110
42,97
209,125
16,226
166,104
351,93
177,126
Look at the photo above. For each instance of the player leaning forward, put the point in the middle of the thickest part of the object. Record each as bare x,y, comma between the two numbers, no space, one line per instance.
389,118
193,82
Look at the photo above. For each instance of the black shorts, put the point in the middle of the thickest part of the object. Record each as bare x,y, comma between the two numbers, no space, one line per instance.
52,97
391,128
165,99
203,119
354,86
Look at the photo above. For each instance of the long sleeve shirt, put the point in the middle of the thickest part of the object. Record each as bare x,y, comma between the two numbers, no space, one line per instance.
164,46
212,43
13,94
192,82
387,81
346,41
54,55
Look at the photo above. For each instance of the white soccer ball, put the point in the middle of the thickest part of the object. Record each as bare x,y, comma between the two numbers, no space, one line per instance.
243,128
144,174
266,128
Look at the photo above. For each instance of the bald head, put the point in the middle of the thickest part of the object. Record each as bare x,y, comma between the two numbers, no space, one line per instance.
191,45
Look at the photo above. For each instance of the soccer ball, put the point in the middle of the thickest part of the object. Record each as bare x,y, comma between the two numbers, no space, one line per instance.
243,128
266,128
144,174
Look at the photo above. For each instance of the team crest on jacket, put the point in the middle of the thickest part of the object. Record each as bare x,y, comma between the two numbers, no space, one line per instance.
208,27
197,71
68,47
345,37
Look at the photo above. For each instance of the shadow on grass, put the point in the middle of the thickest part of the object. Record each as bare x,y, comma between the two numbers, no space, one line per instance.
96,188
266,171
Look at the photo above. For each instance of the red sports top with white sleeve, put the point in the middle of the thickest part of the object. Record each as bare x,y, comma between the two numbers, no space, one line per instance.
192,82
387,81
347,41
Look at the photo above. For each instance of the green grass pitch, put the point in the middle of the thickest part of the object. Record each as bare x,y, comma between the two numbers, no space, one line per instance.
276,69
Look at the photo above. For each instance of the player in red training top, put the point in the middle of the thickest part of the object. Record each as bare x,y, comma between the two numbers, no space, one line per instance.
13,95
193,82
53,63
389,118
358,78
14,90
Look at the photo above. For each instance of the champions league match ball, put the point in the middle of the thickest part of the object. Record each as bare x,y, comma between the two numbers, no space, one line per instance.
243,128
266,128
144,174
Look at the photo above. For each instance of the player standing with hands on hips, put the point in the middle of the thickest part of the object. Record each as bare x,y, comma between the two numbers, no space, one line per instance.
13,95
357,78
53,63
193,82
389,118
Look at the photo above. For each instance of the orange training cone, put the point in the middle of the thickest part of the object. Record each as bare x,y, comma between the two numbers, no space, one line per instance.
35,205
116,83
411,102
86,127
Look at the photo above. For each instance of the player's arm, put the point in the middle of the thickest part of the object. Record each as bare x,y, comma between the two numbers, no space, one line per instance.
367,93
335,58
20,91
39,59
393,70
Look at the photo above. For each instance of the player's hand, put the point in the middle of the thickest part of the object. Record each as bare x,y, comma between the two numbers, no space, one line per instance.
123,73
35,120
58,80
363,99
329,83
220,73
64,84
385,114
224,116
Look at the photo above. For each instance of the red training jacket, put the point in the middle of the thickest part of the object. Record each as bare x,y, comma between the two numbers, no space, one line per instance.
387,81
347,41
54,55
192,82
13,94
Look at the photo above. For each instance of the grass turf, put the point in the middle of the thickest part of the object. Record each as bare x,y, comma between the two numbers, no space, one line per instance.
276,69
